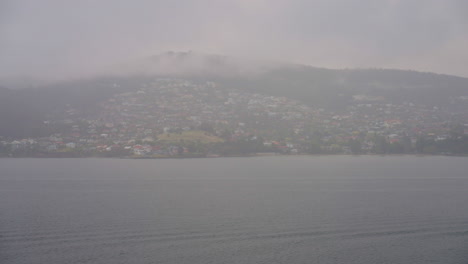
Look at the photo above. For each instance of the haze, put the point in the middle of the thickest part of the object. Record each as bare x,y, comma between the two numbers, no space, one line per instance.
64,38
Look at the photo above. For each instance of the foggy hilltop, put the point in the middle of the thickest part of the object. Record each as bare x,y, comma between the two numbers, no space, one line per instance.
226,96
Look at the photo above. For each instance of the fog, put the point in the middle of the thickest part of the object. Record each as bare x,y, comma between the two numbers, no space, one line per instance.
62,38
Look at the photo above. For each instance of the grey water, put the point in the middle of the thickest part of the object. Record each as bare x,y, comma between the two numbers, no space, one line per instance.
289,209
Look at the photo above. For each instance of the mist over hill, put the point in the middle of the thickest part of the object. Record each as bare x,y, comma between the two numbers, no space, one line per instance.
23,111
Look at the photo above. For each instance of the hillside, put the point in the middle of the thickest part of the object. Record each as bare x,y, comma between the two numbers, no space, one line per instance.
23,111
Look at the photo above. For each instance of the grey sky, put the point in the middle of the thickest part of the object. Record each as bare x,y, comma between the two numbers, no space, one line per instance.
51,38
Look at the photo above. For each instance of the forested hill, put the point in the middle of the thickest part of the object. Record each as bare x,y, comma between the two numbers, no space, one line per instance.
336,88
22,111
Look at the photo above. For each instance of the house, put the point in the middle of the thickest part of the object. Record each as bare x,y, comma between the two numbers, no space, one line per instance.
71,145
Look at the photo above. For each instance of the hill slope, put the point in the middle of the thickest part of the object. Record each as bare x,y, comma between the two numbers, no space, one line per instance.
23,111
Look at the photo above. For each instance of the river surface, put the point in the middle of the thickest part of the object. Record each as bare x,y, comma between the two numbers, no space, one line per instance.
289,209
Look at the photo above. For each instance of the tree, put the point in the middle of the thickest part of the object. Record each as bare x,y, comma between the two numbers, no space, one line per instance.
355,146
314,146
381,145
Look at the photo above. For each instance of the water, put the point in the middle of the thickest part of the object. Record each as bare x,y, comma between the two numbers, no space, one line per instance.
337,209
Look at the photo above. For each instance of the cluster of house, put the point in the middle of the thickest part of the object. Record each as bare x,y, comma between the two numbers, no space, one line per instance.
130,123
175,104
396,121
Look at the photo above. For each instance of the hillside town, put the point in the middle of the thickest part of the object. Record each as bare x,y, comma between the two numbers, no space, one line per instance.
169,118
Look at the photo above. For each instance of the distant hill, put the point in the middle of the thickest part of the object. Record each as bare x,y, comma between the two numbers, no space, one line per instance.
336,88
326,87
22,111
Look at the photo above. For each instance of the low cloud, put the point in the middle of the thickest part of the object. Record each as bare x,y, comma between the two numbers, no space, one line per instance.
66,38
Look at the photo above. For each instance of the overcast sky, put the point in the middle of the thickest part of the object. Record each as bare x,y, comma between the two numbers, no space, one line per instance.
51,38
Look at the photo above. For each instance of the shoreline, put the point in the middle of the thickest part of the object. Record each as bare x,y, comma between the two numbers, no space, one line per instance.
230,156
